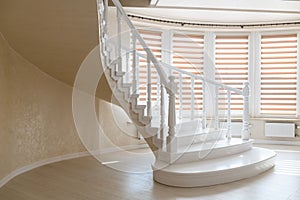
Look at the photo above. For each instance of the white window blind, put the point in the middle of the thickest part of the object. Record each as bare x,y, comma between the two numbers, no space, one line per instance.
231,67
154,41
278,74
187,54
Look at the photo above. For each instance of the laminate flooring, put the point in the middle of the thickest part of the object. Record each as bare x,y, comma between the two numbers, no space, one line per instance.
128,176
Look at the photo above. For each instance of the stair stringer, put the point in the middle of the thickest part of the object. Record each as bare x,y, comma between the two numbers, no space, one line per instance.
122,97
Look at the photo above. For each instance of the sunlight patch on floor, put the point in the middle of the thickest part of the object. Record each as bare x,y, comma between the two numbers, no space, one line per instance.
288,167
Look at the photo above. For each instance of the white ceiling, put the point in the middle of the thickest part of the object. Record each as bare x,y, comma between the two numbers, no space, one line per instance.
223,11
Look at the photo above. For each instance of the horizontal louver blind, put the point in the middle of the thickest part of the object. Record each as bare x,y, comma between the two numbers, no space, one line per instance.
278,74
187,54
154,41
231,62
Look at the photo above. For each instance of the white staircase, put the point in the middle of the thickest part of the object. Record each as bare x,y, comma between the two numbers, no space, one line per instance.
219,170
188,154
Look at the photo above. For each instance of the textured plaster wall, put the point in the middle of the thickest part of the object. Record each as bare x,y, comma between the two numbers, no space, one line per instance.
118,130
36,119
5,114
35,114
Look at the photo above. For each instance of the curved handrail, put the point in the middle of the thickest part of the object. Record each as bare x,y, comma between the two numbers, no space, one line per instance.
203,79
162,74
166,65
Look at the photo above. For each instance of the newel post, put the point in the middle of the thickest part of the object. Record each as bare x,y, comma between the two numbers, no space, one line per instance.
245,130
171,139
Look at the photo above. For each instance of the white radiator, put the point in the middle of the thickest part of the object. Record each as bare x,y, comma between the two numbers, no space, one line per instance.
280,130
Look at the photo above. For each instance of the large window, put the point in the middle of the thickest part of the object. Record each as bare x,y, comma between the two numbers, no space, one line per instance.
231,66
278,87
270,59
187,54
154,41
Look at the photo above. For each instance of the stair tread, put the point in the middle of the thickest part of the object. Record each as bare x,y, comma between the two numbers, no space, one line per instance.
127,84
118,73
140,107
250,157
134,96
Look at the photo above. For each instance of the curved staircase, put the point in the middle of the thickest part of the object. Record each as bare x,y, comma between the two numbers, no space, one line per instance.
188,152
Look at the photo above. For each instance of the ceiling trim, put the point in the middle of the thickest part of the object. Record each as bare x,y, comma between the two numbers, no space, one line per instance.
227,25
229,9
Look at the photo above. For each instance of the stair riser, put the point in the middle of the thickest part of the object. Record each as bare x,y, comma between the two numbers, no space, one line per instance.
186,157
115,75
137,108
212,178
124,87
140,118
199,138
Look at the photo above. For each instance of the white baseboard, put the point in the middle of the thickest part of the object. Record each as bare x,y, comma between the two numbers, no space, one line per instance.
40,163
277,142
116,149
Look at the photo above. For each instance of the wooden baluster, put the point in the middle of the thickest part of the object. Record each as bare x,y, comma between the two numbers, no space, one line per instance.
171,139
106,16
158,91
149,89
180,96
119,42
192,98
127,67
134,63
101,12
216,107
162,112
203,122
246,93
138,74
103,6
228,135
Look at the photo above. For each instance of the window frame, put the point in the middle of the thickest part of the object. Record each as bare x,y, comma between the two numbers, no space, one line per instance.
248,34
256,93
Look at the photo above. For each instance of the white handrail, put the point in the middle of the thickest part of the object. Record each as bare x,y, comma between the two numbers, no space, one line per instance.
162,74
197,77
220,85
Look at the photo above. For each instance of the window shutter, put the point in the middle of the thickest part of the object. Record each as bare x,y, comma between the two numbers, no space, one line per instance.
187,54
278,74
231,67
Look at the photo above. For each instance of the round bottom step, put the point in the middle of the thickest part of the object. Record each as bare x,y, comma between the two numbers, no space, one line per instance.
215,171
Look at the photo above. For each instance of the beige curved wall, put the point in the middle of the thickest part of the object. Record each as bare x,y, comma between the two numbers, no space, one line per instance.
36,114
36,119
45,43
5,115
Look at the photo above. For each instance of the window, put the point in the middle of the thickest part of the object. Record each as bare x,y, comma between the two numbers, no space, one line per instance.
187,54
278,74
154,42
275,69
231,66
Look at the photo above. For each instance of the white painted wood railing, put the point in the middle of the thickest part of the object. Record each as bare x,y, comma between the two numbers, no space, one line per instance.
119,40
216,103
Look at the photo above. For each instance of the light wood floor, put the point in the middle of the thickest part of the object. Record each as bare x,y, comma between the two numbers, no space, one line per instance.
86,179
